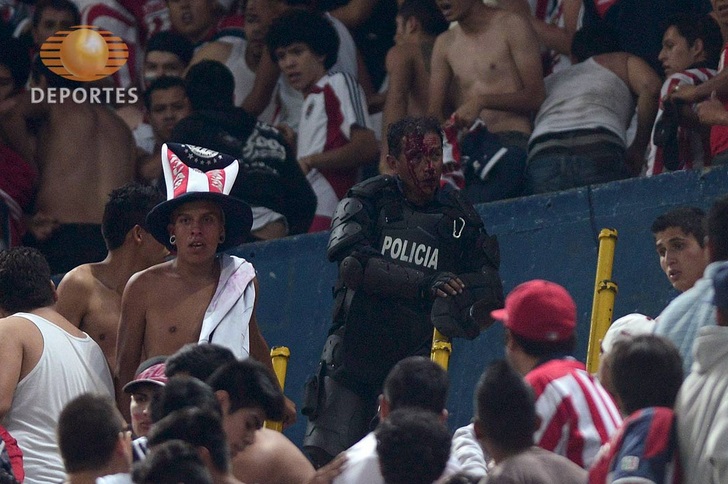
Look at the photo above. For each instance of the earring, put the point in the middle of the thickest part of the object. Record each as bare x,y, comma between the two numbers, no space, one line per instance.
221,239
172,239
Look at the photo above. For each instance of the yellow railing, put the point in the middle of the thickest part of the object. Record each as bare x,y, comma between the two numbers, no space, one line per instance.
605,291
441,349
279,355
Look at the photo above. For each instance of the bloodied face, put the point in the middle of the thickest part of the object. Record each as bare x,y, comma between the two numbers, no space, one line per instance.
419,166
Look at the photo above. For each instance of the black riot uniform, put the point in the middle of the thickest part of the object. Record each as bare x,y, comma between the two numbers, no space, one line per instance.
391,254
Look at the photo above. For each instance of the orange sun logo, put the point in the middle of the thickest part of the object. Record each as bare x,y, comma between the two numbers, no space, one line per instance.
84,53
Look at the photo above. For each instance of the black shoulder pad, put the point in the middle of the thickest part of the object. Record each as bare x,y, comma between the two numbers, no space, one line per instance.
346,226
458,200
372,186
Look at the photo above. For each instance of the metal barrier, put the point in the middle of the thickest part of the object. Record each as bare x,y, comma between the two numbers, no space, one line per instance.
441,349
279,355
605,292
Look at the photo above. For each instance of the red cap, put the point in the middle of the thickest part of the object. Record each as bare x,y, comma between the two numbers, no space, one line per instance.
539,310
149,372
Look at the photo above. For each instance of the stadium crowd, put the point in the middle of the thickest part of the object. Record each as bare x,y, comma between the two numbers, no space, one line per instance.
383,122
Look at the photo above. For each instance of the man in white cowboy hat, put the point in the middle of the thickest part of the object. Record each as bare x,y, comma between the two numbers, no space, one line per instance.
201,295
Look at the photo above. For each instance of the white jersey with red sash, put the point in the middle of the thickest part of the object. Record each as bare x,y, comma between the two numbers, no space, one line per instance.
335,104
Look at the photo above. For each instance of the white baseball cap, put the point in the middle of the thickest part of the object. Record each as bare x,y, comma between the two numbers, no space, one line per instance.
627,327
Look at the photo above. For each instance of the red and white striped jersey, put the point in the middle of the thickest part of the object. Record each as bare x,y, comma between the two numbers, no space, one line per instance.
694,149
334,105
577,414
718,133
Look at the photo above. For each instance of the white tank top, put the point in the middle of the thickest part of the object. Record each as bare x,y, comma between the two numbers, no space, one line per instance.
69,366
585,96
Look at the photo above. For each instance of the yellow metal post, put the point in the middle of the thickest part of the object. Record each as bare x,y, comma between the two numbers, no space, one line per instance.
441,349
279,355
605,291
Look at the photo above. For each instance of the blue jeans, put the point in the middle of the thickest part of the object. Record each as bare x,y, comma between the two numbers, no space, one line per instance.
557,169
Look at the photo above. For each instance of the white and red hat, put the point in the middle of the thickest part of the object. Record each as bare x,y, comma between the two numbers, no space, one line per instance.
186,184
149,372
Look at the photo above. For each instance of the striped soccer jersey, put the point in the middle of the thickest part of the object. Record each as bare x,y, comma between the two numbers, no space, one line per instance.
334,105
577,414
694,149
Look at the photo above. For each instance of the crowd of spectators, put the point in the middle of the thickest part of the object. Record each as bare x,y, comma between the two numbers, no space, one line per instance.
298,96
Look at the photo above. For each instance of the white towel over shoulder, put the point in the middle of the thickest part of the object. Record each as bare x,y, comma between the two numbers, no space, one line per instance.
227,319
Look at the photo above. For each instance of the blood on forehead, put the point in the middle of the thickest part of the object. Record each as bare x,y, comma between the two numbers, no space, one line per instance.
420,145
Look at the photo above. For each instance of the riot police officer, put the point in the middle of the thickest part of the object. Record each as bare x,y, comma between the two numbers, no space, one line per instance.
411,254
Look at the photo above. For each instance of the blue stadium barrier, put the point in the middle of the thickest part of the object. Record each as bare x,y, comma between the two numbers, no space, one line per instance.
553,236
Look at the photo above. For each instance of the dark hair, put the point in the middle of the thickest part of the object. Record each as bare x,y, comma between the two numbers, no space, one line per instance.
62,5
692,27
413,447
541,349
161,83
182,392
198,360
407,126
426,13
126,207
250,384
196,426
417,382
172,42
172,462
25,280
717,228
88,431
307,27
597,38
14,56
647,371
210,85
505,406
691,220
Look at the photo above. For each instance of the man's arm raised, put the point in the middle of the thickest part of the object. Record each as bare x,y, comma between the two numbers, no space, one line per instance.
552,36
130,338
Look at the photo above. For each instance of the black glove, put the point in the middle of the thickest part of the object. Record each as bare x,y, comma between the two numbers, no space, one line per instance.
451,316
465,315
431,284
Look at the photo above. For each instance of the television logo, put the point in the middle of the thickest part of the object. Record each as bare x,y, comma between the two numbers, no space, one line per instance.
84,53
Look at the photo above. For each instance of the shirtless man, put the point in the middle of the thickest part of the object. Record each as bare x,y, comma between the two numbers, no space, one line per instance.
419,22
200,296
501,85
82,151
90,295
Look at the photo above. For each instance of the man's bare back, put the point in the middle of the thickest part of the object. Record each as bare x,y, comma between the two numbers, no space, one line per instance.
272,459
84,151
90,298
492,59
